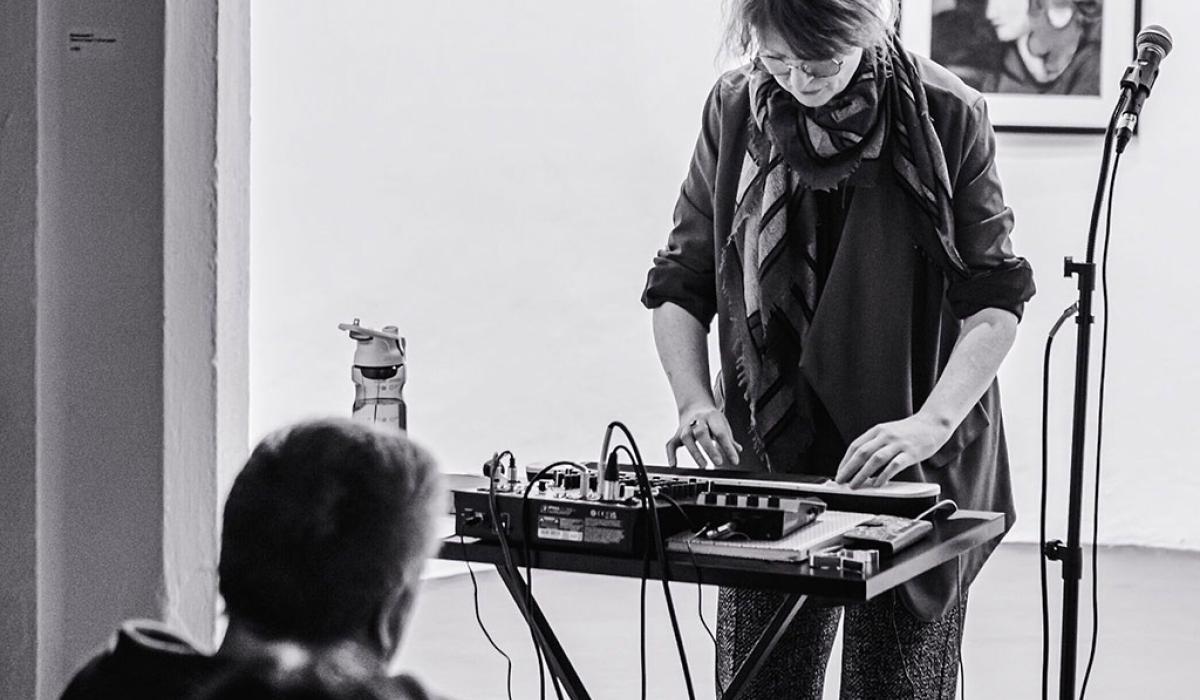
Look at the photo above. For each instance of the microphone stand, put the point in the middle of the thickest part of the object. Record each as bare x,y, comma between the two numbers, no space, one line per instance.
1071,554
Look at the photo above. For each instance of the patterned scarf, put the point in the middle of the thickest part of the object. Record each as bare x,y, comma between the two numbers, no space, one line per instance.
768,267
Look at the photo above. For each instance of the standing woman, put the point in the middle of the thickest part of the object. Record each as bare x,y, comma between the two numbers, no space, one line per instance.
843,220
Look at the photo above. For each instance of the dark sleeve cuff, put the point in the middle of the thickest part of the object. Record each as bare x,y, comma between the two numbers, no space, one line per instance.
695,293
684,272
1007,287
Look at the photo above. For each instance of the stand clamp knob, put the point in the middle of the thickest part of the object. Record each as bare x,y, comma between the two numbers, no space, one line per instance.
1072,558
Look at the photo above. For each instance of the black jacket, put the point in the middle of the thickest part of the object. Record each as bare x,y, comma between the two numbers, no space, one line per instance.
147,661
888,316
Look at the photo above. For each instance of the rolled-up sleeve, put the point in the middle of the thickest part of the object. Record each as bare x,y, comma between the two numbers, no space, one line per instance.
684,272
997,278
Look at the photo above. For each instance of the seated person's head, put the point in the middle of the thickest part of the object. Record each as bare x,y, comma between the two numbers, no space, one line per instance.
325,534
289,671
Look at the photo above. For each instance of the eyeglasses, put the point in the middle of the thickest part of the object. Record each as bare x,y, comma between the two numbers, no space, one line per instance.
813,69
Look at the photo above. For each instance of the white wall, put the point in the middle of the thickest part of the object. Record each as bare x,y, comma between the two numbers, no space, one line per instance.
1150,481
494,177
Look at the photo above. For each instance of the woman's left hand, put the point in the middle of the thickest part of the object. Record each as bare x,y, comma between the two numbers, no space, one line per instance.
889,448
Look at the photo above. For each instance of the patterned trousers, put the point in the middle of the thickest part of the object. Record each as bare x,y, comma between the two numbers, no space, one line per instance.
887,653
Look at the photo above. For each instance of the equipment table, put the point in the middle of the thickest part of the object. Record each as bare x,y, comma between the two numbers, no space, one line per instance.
950,538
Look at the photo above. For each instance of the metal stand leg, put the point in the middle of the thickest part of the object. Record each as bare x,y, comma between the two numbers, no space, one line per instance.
556,657
770,636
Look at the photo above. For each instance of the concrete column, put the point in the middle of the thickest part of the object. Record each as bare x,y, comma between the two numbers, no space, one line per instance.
99,325
18,356
123,306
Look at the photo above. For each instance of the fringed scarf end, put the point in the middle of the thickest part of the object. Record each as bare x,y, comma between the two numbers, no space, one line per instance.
741,371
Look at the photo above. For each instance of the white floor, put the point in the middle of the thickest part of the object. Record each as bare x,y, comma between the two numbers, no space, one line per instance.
1149,645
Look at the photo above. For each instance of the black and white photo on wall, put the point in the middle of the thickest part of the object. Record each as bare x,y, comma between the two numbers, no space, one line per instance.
1044,65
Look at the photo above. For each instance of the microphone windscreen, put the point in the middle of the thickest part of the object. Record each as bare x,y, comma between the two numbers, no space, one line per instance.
1156,36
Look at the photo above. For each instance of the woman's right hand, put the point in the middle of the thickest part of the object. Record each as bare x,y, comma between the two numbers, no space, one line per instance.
704,430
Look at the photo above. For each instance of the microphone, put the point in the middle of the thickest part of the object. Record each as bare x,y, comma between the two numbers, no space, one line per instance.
1153,45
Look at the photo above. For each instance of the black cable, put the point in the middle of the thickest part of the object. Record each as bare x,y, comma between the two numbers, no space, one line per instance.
537,648
1066,314
604,456
646,505
645,563
962,615
657,536
479,618
511,567
497,526
643,498
1100,425
627,452
1102,182
695,532
1042,511
695,566
525,539
700,612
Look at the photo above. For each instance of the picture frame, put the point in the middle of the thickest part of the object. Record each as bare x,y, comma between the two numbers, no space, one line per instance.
1045,66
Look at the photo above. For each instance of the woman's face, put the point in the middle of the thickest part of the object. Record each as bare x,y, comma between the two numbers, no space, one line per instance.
1010,18
808,90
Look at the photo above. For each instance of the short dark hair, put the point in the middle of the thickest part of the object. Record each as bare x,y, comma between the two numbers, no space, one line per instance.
813,29
323,524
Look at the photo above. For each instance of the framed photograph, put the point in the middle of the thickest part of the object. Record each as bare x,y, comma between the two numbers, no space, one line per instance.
1045,65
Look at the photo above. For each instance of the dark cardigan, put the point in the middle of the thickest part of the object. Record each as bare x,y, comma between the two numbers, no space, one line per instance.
888,316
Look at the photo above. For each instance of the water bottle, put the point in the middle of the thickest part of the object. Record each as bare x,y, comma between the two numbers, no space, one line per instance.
378,373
